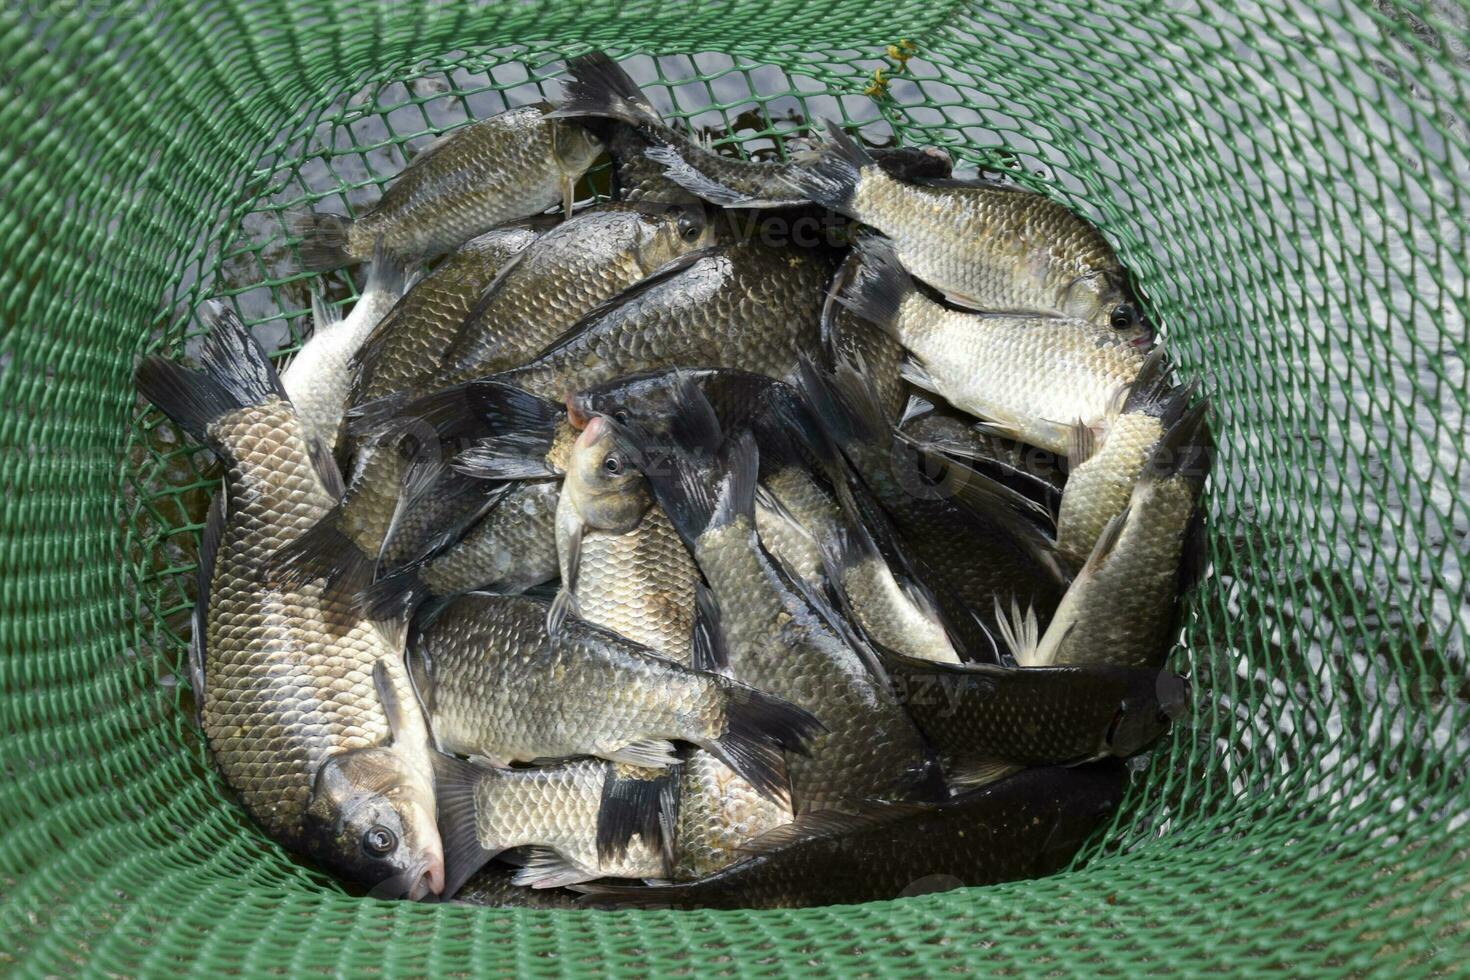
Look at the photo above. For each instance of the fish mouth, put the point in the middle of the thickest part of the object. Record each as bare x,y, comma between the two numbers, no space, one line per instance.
575,415
425,880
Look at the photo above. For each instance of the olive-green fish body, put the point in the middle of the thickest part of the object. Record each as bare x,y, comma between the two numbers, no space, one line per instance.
575,267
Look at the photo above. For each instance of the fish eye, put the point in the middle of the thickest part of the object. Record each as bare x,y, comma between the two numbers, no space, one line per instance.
612,465
1123,317
620,417
689,227
379,840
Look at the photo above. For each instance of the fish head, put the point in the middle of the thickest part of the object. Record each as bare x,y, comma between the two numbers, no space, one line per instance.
646,399
608,490
1150,703
1104,299
672,231
573,146
371,819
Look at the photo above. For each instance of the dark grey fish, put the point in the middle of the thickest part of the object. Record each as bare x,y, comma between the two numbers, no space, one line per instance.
1027,826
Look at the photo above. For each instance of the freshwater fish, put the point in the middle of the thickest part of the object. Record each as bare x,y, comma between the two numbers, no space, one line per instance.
503,684
984,245
1030,377
745,306
586,261
623,566
785,640
1026,826
1124,605
509,550
319,378
559,814
491,172
406,348
1105,468
306,706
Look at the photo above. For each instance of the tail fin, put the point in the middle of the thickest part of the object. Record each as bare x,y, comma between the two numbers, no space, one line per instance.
323,240
387,276
394,597
234,373
832,178
596,86
454,787
485,407
1152,385
514,456
635,801
878,290
323,551
697,494
759,727
708,650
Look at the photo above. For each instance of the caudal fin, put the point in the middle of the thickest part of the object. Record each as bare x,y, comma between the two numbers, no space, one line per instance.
759,729
596,86
832,178
454,789
234,373
635,801
323,240
879,287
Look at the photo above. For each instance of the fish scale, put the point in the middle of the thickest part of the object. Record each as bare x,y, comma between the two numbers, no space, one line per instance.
585,261
749,306
500,169
408,345
288,676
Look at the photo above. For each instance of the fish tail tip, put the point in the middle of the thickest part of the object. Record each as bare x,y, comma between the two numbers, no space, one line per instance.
597,86
323,235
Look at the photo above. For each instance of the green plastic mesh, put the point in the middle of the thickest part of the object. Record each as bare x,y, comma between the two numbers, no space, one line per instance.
1291,185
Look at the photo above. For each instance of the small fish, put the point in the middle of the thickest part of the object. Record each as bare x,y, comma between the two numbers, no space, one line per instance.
509,550
406,348
987,718
783,639
1026,826
503,684
596,88
1031,378
566,816
984,245
1124,605
319,378
745,306
306,706
491,172
586,261
1105,468
623,566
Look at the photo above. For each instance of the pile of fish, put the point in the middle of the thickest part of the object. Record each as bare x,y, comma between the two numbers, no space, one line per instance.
644,552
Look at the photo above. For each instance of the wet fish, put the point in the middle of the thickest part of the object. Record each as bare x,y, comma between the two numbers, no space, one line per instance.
509,550
1105,467
846,336
986,719
1026,826
584,262
786,641
596,88
564,816
973,542
307,708
319,378
623,565
491,172
501,683
1030,377
1124,605
494,886
406,348
745,306
985,245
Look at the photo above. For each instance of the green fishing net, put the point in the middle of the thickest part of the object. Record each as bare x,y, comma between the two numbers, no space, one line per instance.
1289,182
